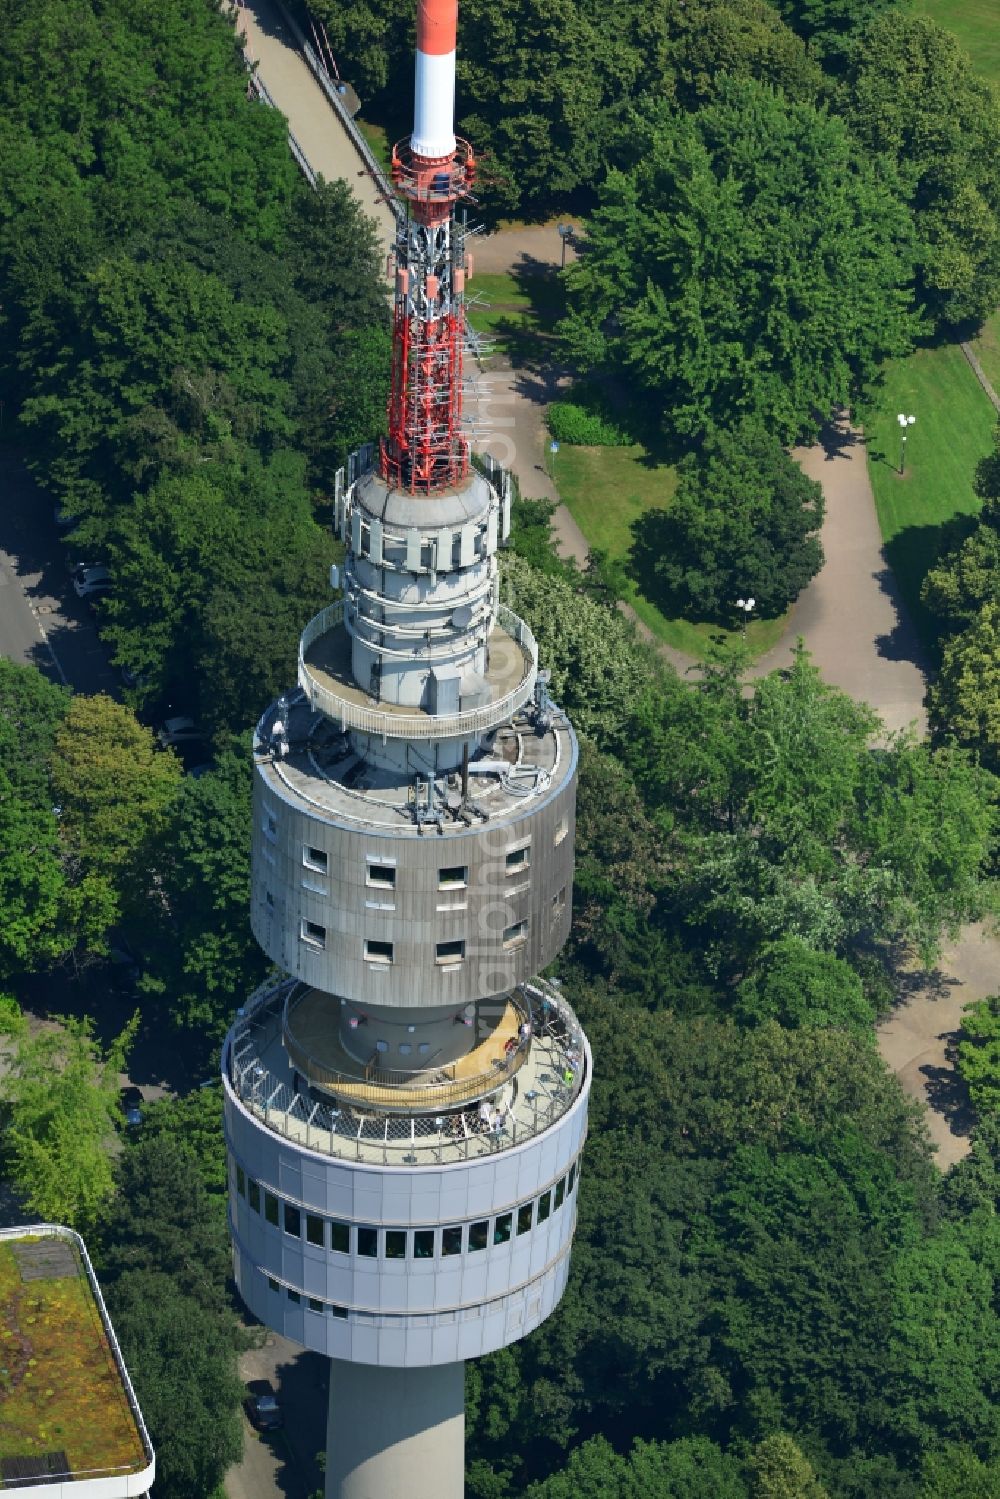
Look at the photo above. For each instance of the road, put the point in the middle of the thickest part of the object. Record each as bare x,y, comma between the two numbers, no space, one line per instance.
283,1463
42,622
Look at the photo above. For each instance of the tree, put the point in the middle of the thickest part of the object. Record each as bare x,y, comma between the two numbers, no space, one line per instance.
780,1471
751,264
112,783
62,1094
917,102
794,984
964,701
199,951
743,523
194,1122
182,1360
979,1054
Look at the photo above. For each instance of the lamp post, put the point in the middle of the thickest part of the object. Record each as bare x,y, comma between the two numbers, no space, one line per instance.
904,423
551,450
565,234
746,608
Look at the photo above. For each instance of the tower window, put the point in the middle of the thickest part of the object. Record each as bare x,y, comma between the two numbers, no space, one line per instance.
382,875
518,859
395,1244
455,877
377,951
560,1193
562,828
368,1242
450,952
253,1195
479,1234
501,1229
524,1218
315,1305
340,1312
293,1221
451,1241
271,1208
241,1181
340,1237
544,1206
558,903
514,935
423,1244
314,1229
315,858
313,933
270,827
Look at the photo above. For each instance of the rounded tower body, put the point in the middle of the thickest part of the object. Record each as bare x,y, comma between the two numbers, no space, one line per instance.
405,1101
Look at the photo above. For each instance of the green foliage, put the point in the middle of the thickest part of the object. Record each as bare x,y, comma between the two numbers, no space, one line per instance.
712,267
183,1364
744,523
780,1471
964,701
199,952
917,103
692,1468
193,1122
979,1054
794,984
62,1094
532,539
570,422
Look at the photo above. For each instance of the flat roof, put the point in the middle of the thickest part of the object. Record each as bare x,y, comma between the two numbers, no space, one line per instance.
65,1404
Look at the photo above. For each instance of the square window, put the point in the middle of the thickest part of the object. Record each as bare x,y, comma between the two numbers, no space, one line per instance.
271,1208
518,859
423,1244
340,1312
368,1242
383,875
241,1181
313,933
514,935
450,952
451,1241
455,877
272,1284
544,1206
557,1201
314,1230
395,1244
253,1195
293,1221
340,1237
294,1296
315,1305
524,1218
315,858
501,1229
378,952
479,1234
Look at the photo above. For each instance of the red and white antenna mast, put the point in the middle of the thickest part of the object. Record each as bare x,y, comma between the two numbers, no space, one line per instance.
425,451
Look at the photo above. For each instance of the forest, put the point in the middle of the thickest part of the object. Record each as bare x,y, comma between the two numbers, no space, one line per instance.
775,1293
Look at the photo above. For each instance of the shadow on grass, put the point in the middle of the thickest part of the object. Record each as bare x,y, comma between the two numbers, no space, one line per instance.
909,556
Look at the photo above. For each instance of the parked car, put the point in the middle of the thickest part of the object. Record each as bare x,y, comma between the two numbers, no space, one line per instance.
261,1406
132,1102
178,731
91,580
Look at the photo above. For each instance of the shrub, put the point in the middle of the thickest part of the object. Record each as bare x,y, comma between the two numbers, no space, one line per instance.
584,425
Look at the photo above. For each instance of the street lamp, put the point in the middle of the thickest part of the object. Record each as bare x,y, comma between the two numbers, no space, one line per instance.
565,234
904,422
746,608
551,451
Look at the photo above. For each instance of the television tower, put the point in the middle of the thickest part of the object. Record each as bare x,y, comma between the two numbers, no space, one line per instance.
405,1101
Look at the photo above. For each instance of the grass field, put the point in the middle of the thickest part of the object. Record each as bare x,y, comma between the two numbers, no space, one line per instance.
518,313
953,431
976,23
607,490
987,348
377,137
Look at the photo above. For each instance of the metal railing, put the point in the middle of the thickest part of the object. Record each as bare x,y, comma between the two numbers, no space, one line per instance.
436,1137
393,1089
350,714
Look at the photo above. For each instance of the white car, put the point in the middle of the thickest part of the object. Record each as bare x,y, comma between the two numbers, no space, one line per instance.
178,731
90,580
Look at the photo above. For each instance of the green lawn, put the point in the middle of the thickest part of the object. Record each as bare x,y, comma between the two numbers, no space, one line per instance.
519,312
987,347
607,490
953,431
377,137
976,23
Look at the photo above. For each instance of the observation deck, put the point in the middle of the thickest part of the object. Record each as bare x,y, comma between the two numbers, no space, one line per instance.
429,1120
325,675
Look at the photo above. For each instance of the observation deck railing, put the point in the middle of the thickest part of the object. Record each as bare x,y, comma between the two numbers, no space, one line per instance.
349,710
402,1092
551,1077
